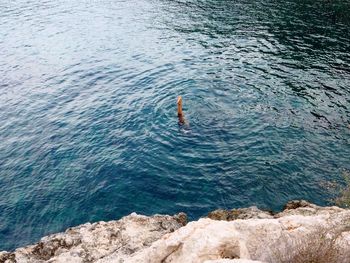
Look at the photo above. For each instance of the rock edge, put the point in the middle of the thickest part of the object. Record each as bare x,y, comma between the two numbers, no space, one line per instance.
302,232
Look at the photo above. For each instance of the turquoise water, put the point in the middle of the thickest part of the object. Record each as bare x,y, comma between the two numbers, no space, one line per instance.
88,124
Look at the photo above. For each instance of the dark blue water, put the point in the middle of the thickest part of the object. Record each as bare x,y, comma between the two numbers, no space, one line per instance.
88,124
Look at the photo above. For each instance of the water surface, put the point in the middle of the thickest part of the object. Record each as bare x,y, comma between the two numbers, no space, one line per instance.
88,125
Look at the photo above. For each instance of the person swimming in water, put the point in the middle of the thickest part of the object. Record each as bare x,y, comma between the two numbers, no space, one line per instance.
183,123
180,114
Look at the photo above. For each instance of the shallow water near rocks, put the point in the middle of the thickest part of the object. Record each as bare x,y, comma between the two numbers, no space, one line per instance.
88,124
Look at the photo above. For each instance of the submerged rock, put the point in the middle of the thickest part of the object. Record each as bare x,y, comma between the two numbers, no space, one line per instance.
303,232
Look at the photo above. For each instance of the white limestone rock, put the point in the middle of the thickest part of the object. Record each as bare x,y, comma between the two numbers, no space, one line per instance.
303,232
90,242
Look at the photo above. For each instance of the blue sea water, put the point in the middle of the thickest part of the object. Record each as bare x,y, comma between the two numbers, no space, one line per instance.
88,124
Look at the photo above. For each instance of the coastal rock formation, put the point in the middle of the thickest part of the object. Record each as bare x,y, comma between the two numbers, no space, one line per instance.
90,242
302,232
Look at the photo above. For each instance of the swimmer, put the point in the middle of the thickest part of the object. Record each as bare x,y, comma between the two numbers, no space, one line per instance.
180,114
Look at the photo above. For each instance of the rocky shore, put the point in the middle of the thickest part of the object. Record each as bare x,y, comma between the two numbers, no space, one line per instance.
302,232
